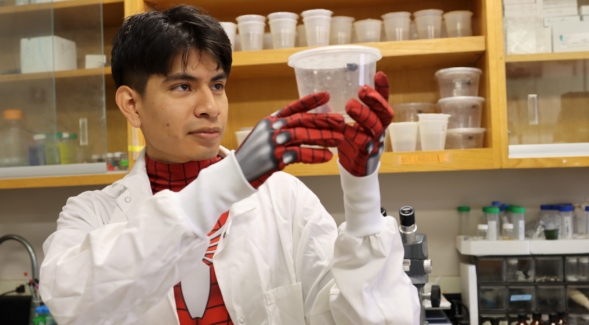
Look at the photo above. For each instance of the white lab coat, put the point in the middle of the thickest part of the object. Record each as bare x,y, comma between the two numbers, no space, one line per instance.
118,252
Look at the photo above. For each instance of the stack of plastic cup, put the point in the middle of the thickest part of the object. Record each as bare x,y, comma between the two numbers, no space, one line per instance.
283,26
341,30
368,30
432,131
458,82
251,31
429,23
464,111
317,25
403,136
396,25
458,23
465,138
230,29
301,36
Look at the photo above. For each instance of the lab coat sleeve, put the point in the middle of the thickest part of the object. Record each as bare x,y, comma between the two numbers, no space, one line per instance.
368,284
114,273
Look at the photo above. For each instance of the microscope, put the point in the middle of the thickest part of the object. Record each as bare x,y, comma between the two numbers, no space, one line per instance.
416,263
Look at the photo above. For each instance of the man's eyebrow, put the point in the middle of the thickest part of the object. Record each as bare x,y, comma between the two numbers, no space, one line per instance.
180,76
220,76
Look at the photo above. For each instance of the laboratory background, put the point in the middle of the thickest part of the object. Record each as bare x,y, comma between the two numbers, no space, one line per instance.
488,153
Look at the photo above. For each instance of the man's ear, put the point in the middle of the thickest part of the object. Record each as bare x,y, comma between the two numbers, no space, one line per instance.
128,100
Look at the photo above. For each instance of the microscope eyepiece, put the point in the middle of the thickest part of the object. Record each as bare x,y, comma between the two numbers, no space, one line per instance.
407,216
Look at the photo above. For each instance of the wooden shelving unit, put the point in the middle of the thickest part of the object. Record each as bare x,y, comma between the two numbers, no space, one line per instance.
59,181
67,74
546,57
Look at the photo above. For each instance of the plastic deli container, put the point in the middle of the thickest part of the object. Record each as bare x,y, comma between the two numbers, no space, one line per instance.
458,82
465,111
403,136
341,70
407,112
465,138
432,131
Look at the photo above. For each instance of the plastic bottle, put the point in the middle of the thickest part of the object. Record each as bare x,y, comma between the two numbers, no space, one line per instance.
37,150
110,161
522,319
519,222
536,319
483,230
125,162
492,217
512,269
566,217
52,155
507,232
464,219
583,270
40,315
76,155
64,148
15,140
582,221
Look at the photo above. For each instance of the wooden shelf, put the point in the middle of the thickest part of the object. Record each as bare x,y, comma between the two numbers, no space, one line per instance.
420,161
556,162
60,181
415,54
67,15
546,57
67,74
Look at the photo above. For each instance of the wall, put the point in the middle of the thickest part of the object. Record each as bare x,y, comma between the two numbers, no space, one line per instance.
32,212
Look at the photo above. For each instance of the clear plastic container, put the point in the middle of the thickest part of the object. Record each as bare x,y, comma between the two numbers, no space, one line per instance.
455,82
432,133
511,270
429,23
37,150
549,269
566,217
492,216
490,270
583,274
368,30
341,30
267,42
492,298
403,136
341,70
466,138
571,269
550,298
465,111
482,231
507,231
458,23
283,32
52,154
14,140
519,221
249,18
521,299
282,15
582,223
522,269
397,25
317,30
464,219
316,12
407,112
252,35
231,30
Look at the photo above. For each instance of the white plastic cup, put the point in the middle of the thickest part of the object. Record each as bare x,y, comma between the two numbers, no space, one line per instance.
429,23
248,18
465,138
252,35
230,29
340,69
283,32
282,15
317,12
458,23
396,25
465,111
407,112
403,136
301,36
341,30
317,30
368,30
432,131
458,82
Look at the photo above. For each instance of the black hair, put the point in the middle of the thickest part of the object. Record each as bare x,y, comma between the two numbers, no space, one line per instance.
148,43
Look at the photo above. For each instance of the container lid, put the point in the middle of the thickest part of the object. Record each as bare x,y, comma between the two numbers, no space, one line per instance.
458,70
342,19
124,163
428,12
333,57
316,12
460,99
398,14
65,135
491,210
512,260
463,209
496,203
249,18
516,209
545,207
13,114
39,136
566,208
367,21
504,207
73,136
587,208
483,226
283,14
466,130
458,12
508,226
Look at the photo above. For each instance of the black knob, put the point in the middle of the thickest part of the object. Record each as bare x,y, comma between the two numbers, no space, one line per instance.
436,296
407,216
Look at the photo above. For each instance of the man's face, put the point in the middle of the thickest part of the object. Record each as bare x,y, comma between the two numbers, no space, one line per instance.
183,115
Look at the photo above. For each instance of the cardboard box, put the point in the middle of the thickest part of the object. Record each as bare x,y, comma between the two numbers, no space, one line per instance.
560,11
47,53
570,36
548,22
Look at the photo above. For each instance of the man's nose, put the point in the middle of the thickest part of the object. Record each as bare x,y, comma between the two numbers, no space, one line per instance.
206,105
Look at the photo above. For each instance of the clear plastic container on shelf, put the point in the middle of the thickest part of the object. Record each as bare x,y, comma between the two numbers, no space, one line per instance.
37,150
407,112
550,221
403,136
507,231
550,297
571,268
518,219
458,23
521,299
341,30
492,217
368,30
520,269
549,269
582,223
397,25
465,111
482,231
566,217
492,298
490,270
465,138
465,221
429,23
583,271
458,82
14,140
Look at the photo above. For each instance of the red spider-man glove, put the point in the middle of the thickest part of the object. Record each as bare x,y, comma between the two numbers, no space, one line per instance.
276,140
363,144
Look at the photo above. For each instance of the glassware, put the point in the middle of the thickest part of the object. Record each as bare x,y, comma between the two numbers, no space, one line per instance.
14,140
483,230
464,217
519,222
507,231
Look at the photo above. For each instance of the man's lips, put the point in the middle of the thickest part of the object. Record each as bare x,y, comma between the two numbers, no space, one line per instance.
206,133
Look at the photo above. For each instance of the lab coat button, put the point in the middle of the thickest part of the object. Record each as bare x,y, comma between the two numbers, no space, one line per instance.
128,199
241,320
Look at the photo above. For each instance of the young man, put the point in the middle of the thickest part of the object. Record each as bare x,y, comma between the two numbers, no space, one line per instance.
197,234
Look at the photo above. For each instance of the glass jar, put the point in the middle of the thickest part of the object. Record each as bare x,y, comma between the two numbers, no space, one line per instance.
507,231
492,217
483,230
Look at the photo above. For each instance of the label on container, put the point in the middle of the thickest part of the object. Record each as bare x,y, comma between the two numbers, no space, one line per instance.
492,232
520,298
423,159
